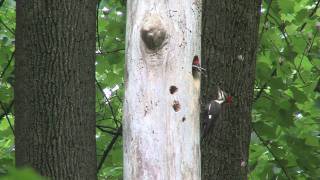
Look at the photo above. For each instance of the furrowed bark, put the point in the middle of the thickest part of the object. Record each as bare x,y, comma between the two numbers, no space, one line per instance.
229,45
55,88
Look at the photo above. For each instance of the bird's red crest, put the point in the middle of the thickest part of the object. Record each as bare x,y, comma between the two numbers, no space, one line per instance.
196,60
229,99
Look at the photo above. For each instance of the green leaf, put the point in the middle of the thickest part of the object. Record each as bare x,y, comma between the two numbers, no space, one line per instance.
265,129
313,141
287,17
298,43
25,174
263,71
286,6
277,83
298,95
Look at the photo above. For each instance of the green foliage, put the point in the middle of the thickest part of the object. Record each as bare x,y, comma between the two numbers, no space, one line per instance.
109,74
286,114
285,142
25,174
7,25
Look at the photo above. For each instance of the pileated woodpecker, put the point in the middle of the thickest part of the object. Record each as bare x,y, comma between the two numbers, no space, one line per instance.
213,110
196,67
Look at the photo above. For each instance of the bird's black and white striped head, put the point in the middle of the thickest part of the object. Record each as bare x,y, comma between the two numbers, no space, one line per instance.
221,96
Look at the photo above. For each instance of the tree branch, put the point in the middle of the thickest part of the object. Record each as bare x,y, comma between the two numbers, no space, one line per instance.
282,29
108,102
106,131
264,86
6,113
266,144
310,15
1,2
308,48
10,30
265,18
109,147
110,52
107,127
7,66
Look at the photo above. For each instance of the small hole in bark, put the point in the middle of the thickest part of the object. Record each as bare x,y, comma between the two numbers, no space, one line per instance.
173,89
176,106
183,119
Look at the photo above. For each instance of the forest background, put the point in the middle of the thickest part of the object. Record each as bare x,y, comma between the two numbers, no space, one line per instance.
286,134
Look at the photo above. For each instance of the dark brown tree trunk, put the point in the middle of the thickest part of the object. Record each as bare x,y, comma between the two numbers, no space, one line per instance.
229,45
55,88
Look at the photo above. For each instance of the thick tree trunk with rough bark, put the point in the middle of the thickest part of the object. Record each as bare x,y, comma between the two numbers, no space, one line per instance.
55,88
229,45
161,110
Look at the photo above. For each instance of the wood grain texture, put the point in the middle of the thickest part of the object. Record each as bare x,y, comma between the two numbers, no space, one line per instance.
161,123
55,88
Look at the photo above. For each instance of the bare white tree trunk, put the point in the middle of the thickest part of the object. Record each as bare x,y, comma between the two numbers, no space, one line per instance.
161,110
